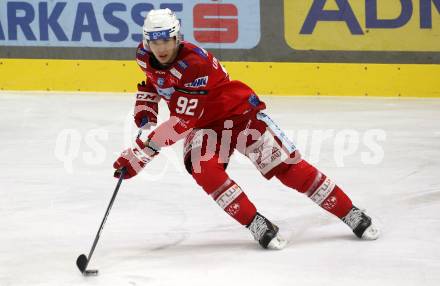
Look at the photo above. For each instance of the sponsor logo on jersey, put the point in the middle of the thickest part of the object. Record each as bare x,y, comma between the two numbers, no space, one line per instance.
215,62
141,63
182,64
141,52
254,100
176,73
165,92
160,81
202,52
198,82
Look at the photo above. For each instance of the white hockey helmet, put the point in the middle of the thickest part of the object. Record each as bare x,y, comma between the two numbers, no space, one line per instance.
160,24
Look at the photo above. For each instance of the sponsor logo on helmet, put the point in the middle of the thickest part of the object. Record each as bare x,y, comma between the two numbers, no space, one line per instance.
198,82
158,35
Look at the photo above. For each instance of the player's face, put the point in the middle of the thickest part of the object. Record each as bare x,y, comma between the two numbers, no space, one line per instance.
165,51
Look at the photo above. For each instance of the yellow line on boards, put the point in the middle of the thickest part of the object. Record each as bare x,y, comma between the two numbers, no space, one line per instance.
412,80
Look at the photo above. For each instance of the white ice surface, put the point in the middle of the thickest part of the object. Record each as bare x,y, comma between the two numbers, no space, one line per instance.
164,230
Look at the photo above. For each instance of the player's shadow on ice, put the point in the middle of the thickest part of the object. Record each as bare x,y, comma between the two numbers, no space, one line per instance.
234,246
208,247
320,239
309,230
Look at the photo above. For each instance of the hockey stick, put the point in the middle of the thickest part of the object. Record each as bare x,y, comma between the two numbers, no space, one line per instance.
83,261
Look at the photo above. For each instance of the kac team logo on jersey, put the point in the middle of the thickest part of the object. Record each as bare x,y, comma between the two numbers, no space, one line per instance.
160,81
198,82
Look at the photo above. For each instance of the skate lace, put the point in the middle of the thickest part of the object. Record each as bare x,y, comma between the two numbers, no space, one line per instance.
258,227
353,218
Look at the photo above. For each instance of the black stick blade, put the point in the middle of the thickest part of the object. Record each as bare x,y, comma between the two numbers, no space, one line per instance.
81,262
93,272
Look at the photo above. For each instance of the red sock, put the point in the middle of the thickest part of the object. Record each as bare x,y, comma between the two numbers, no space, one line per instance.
234,202
228,195
318,187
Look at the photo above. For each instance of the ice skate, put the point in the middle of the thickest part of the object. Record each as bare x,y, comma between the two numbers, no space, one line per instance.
361,224
266,233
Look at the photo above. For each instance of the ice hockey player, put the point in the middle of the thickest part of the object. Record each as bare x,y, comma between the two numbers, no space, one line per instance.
216,115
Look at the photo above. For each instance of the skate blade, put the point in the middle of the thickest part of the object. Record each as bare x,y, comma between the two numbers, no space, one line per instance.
277,243
371,233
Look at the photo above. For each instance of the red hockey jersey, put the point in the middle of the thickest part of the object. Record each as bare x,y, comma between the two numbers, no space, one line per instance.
197,90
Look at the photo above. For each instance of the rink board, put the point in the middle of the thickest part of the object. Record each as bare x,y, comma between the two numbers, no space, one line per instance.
406,80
